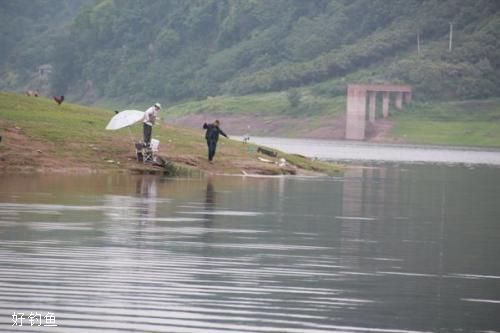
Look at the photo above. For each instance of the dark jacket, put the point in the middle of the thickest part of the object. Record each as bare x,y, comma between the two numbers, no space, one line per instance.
213,132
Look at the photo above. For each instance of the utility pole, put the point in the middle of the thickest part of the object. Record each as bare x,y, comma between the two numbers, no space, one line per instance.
451,37
418,42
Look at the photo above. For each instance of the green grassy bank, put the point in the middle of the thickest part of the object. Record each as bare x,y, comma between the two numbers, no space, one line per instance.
466,123
39,135
297,103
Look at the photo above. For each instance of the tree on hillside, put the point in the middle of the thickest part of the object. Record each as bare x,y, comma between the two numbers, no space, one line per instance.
197,48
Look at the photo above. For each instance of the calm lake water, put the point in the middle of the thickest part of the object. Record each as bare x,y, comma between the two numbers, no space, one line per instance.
380,248
376,152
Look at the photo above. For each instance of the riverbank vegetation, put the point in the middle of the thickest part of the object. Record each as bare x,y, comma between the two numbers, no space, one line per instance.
465,123
39,135
300,103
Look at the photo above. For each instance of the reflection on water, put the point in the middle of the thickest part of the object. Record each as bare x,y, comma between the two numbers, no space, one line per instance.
210,202
385,249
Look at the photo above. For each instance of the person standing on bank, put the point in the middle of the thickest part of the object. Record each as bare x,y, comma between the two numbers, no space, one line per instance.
149,119
212,136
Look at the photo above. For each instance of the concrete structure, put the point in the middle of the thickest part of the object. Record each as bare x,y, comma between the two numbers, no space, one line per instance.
44,71
356,105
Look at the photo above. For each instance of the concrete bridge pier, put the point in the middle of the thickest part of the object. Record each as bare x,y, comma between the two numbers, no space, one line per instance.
356,113
385,104
372,106
399,101
356,105
407,97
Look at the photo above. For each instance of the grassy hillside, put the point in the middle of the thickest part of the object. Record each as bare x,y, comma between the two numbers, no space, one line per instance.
282,103
39,135
472,123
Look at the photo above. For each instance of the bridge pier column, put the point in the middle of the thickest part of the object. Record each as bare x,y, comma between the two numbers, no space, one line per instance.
385,104
407,97
372,105
399,101
356,113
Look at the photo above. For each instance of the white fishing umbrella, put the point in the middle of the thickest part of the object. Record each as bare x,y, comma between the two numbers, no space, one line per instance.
125,118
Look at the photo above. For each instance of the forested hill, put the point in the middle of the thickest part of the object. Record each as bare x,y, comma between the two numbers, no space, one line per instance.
191,49
30,36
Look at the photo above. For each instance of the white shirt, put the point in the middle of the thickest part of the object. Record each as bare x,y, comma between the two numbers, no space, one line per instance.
150,115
